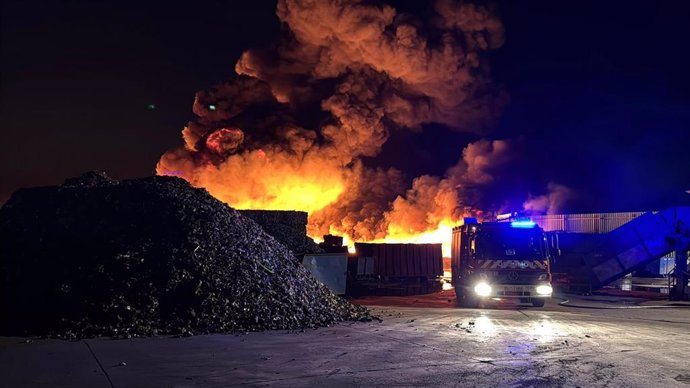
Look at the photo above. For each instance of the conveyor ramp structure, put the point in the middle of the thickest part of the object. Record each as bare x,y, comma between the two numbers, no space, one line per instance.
636,243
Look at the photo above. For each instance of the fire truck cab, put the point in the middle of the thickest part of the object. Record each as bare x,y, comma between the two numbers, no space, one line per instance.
500,260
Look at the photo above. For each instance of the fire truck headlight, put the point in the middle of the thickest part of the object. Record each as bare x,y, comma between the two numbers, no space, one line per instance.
482,289
544,289
543,276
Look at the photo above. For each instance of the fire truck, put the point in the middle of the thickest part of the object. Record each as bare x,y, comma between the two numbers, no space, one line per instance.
500,260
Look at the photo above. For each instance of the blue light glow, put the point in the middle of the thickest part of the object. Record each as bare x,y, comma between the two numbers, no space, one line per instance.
523,224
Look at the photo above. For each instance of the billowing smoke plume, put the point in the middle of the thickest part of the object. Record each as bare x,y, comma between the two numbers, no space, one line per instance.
292,130
433,200
551,202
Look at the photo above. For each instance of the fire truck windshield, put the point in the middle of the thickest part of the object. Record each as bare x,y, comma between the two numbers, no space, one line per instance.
509,244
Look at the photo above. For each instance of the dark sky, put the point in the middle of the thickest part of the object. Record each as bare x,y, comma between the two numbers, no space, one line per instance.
599,91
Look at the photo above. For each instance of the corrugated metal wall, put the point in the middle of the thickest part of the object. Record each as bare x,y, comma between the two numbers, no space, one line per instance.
584,223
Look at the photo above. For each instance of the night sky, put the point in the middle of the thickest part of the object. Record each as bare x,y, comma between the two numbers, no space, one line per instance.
599,92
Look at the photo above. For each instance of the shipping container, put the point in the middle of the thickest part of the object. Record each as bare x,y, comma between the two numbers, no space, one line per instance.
400,260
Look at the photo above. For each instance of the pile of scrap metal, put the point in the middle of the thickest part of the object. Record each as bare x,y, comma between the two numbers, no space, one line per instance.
97,256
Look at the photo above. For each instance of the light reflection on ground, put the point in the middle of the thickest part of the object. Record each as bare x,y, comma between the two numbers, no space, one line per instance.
544,330
485,327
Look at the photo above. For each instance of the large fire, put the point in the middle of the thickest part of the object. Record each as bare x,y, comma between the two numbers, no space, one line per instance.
300,125
441,235
256,180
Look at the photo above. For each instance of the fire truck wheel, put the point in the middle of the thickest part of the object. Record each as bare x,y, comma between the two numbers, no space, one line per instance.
538,302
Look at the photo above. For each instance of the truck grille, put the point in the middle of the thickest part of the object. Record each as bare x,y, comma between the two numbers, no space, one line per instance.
513,293
517,277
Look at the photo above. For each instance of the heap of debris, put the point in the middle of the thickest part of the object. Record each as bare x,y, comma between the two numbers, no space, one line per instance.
148,256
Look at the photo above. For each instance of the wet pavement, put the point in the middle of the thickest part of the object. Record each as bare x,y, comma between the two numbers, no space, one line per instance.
412,346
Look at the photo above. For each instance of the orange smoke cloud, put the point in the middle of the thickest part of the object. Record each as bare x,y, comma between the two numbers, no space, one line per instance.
371,210
293,129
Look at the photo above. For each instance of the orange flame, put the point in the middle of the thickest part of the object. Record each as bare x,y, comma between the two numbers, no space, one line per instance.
441,235
263,179
272,183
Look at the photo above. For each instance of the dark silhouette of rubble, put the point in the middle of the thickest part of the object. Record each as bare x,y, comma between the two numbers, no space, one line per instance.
148,256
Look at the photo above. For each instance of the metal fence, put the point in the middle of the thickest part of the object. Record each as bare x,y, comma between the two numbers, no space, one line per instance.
584,223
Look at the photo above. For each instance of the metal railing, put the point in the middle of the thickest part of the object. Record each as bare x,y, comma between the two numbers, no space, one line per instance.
672,282
671,276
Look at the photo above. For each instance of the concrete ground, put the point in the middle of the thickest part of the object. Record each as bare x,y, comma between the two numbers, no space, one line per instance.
586,343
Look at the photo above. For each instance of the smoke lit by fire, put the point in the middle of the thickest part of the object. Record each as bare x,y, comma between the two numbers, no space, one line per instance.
551,202
294,129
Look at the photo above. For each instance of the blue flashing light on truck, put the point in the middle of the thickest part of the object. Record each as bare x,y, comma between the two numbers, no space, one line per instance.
500,260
